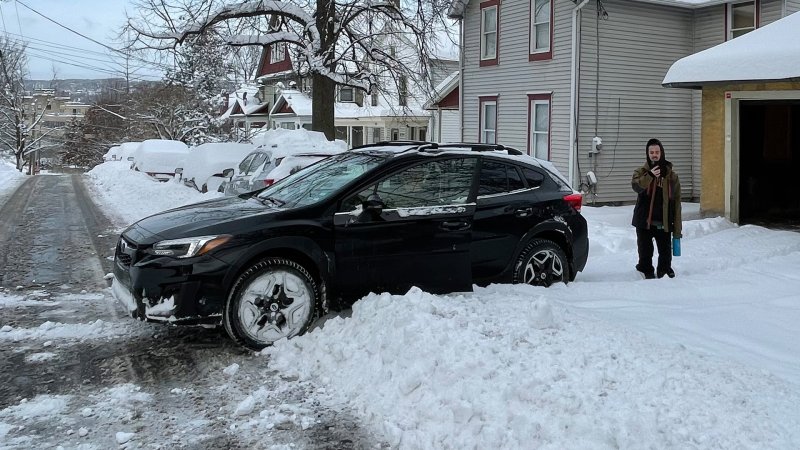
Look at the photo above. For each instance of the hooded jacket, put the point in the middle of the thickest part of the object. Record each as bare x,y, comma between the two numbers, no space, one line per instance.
645,185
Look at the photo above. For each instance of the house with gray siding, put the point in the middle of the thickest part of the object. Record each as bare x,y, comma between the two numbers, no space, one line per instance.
579,82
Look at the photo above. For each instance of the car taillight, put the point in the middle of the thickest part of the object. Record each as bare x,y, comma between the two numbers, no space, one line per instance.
574,200
268,181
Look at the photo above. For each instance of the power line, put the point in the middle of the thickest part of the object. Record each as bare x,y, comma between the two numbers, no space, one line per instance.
69,29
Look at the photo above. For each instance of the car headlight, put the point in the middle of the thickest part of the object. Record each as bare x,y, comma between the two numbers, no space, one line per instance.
188,247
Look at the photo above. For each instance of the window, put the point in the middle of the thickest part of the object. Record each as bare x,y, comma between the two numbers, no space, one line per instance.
541,30
742,18
374,97
277,53
376,135
423,133
395,134
341,133
498,178
346,94
539,125
489,32
402,90
488,120
441,182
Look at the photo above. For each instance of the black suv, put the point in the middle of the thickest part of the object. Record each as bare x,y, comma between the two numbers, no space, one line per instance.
382,217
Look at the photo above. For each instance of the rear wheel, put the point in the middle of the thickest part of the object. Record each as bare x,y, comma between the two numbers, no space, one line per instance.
274,299
542,263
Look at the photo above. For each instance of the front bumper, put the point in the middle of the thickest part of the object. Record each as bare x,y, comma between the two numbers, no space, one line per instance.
160,289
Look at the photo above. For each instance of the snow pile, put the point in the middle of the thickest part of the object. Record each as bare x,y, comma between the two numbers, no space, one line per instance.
10,178
286,142
212,158
160,156
131,195
479,371
79,331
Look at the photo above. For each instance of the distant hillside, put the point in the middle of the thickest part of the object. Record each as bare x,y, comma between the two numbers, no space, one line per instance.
85,91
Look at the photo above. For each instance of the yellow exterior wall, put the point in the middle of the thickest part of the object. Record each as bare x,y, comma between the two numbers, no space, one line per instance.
712,198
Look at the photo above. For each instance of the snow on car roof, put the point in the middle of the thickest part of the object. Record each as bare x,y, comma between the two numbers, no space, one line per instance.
211,158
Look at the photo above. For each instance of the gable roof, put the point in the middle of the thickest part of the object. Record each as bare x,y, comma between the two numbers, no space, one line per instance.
457,7
445,93
765,54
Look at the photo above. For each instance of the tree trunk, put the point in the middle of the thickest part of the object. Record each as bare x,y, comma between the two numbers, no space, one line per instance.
323,93
322,100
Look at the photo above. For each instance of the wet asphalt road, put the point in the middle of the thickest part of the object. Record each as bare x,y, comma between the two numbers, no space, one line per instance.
55,249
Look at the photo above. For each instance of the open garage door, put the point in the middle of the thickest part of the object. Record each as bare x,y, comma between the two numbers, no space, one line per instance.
769,160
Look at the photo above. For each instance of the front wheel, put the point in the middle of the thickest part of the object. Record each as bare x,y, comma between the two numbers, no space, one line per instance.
274,299
542,263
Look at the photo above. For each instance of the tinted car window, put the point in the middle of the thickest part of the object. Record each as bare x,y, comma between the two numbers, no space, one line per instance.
440,182
497,178
533,177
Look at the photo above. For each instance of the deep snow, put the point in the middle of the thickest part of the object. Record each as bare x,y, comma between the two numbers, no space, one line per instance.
705,360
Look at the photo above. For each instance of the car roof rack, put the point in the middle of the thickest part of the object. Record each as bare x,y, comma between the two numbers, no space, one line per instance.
391,143
475,147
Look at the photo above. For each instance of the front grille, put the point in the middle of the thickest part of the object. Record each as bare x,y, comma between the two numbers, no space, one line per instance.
125,254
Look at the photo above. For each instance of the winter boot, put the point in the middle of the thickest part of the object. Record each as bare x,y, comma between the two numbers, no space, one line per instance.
647,274
669,272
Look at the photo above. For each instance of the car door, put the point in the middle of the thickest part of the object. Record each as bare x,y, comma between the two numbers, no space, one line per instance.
506,209
420,237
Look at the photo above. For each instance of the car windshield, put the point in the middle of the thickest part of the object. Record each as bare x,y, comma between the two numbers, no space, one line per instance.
319,181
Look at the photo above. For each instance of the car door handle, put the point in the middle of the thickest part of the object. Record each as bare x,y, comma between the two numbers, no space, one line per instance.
455,226
523,212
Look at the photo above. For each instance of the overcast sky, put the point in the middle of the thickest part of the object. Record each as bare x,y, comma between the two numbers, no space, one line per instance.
51,45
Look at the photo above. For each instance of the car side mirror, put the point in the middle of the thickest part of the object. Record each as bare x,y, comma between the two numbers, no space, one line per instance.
373,205
227,173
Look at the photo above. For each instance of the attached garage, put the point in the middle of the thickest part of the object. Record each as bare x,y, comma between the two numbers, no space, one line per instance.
750,123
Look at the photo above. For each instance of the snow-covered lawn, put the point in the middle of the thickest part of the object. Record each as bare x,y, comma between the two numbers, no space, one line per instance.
10,178
705,360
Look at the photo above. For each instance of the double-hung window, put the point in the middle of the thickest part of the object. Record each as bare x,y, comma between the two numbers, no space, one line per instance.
489,32
541,30
539,125
488,119
741,18
277,53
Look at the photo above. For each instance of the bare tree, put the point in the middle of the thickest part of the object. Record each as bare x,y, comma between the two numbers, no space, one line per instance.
164,111
17,130
334,42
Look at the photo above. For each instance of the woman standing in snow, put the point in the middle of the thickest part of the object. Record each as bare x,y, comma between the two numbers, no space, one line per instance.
657,213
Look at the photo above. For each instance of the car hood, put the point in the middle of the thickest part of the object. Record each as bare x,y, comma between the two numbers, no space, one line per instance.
198,219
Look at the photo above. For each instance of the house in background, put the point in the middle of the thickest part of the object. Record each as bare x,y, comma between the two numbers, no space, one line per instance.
579,82
750,122
394,112
445,123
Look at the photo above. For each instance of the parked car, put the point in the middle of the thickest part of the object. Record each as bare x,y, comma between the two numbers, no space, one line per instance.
383,217
207,167
159,158
258,169
113,154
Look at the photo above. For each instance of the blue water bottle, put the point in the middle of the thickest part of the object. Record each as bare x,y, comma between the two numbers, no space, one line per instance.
676,246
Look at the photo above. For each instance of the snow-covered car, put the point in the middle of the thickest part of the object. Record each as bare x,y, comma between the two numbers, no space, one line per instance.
126,151
291,164
159,158
273,146
213,163
113,154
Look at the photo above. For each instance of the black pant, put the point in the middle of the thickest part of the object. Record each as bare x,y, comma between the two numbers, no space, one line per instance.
644,242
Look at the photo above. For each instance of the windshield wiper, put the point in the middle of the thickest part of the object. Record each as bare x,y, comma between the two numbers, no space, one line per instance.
273,200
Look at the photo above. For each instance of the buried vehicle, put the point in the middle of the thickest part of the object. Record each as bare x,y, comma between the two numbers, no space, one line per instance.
383,217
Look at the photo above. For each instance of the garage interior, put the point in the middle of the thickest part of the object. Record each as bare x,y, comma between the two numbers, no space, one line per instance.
769,163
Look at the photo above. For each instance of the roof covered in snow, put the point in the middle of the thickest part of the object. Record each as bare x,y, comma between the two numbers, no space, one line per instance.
765,54
300,105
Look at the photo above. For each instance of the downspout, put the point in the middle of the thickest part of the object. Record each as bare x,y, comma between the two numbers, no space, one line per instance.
462,46
573,88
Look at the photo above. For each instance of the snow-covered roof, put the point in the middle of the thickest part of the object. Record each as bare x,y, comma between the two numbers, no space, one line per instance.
300,104
457,7
768,53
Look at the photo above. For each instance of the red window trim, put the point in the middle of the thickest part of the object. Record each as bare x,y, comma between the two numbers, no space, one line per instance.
541,56
481,101
489,62
549,98
758,17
